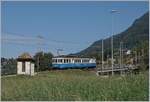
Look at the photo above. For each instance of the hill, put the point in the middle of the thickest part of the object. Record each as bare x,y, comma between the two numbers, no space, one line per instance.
132,37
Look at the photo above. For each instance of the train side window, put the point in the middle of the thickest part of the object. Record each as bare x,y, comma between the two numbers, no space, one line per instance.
60,60
83,61
65,61
86,61
79,61
75,60
56,60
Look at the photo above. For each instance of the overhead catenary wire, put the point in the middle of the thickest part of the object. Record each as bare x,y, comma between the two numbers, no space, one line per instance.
13,38
22,39
32,38
46,42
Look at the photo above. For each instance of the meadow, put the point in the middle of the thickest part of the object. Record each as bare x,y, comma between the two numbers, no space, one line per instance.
75,85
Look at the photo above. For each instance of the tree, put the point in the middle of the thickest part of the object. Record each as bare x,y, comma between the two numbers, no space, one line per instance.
45,61
143,50
8,66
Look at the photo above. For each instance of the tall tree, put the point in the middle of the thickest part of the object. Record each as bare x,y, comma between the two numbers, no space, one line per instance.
45,61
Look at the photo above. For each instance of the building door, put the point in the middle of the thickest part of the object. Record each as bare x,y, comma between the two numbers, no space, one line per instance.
23,66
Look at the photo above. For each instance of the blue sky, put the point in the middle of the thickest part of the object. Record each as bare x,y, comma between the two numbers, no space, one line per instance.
71,26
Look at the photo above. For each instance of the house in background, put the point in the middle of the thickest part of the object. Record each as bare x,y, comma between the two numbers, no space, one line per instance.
25,64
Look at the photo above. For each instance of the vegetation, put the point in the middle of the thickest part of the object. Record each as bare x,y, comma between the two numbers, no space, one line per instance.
75,85
143,50
8,66
45,60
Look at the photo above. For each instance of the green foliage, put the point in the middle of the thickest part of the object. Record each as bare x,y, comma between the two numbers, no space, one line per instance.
75,85
8,66
45,60
143,50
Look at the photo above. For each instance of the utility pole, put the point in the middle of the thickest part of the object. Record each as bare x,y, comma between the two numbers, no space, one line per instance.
102,55
40,39
112,59
135,58
107,60
122,58
121,55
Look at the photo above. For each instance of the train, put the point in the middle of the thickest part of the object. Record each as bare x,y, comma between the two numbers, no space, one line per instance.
65,63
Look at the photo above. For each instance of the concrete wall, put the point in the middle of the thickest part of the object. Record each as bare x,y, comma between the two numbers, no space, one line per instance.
32,69
29,68
19,67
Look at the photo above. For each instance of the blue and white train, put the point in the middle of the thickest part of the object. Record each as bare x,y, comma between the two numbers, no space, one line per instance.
64,62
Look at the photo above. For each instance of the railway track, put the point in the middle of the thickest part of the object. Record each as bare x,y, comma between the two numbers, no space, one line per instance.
117,69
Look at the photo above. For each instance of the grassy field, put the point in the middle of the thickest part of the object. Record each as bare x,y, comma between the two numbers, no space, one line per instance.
75,85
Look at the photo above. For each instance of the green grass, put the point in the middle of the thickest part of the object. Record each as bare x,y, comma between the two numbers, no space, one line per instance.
75,85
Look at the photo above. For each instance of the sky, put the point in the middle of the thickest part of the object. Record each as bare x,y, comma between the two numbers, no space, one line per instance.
69,25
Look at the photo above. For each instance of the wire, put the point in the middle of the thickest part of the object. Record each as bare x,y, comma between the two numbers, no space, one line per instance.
23,37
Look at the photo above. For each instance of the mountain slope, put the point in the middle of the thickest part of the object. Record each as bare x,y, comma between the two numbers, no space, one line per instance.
137,33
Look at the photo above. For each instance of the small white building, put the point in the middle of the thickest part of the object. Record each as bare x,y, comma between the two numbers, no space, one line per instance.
25,64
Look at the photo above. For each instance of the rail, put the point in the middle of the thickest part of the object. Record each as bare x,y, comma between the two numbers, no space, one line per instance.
117,68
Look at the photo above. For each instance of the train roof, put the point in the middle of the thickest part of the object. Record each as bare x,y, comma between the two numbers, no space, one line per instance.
70,56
